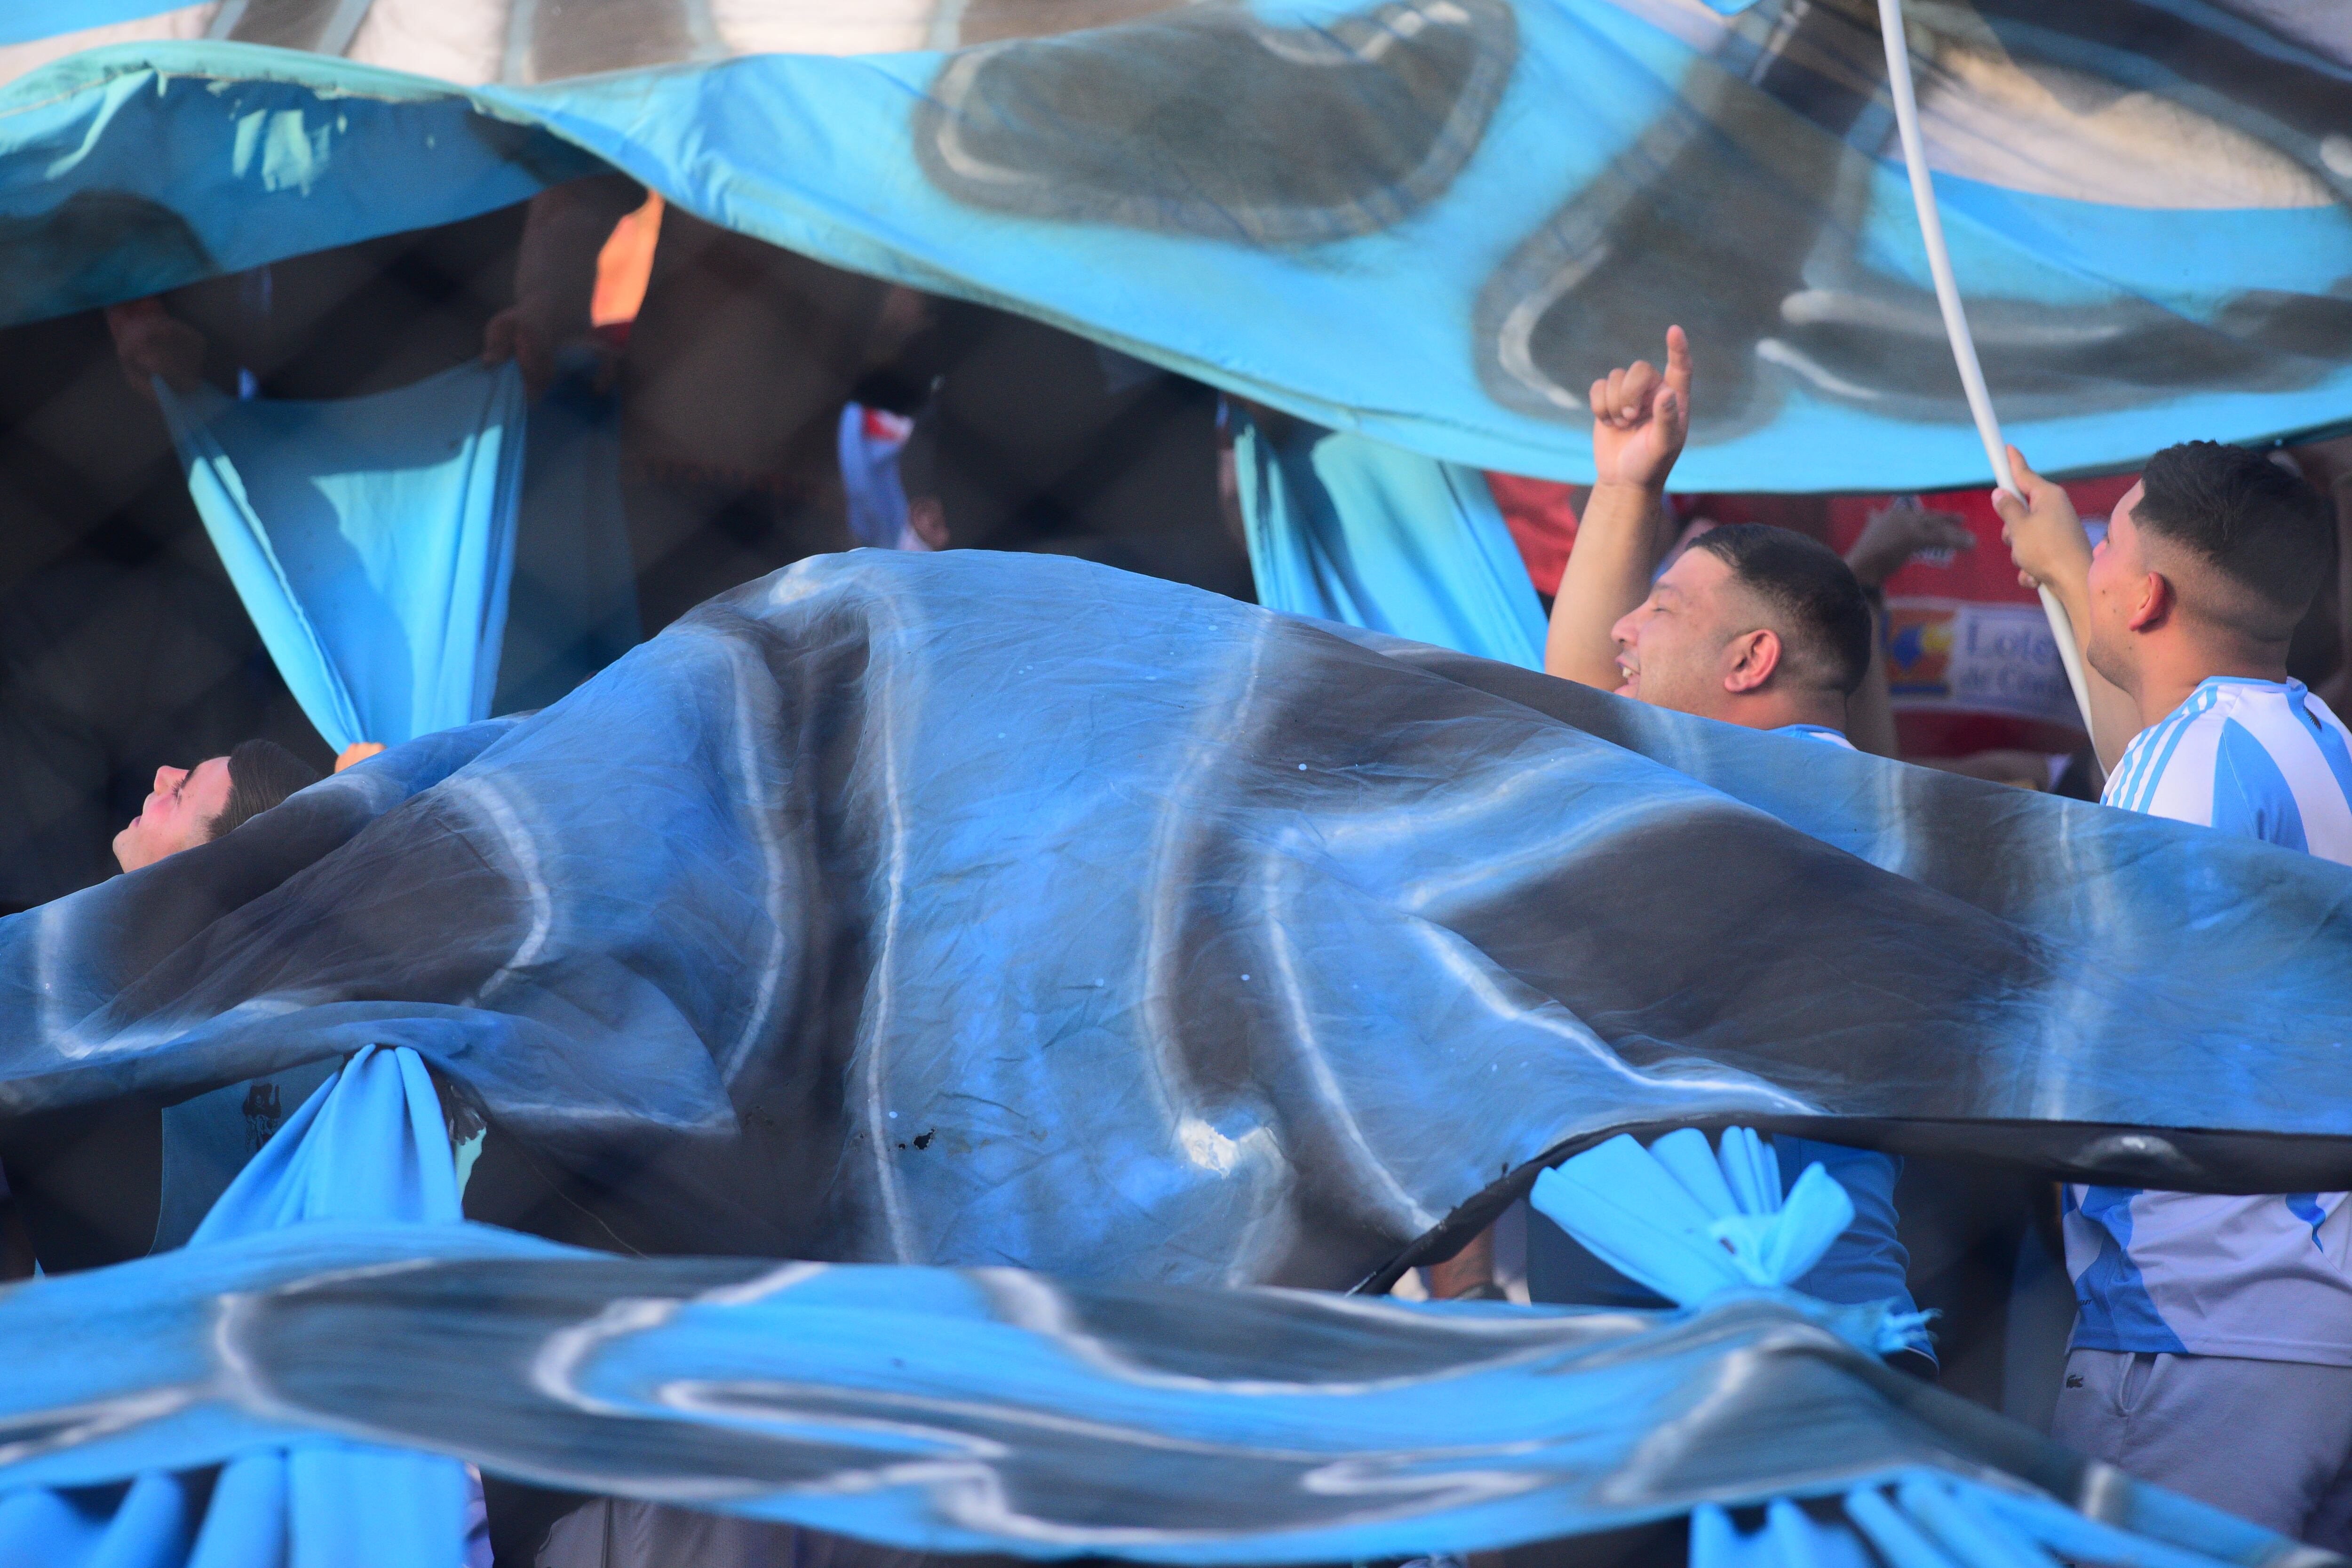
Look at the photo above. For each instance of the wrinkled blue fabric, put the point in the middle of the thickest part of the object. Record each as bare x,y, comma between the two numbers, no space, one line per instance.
887,910
1691,1222
992,1410
1682,1222
368,1146
372,541
1938,1521
1790,1538
1429,222
1346,530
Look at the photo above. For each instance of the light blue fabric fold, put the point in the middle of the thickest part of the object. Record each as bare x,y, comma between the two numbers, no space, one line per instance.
371,538
1790,1539
369,1144
1691,1220
413,563
1345,528
995,1410
1524,193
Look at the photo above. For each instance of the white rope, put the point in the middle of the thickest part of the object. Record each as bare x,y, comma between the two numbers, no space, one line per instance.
1956,317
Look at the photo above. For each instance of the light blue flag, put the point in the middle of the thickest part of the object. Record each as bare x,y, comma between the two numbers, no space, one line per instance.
1345,529
993,1410
1429,222
369,1146
371,539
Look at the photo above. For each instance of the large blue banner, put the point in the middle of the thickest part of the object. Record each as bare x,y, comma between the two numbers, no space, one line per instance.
991,1410
1431,222
888,910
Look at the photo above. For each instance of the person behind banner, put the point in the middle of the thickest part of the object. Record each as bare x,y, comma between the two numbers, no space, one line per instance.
195,805
86,1183
1754,625
2212,1344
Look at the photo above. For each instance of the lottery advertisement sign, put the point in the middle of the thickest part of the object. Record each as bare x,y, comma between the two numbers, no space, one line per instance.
1985,659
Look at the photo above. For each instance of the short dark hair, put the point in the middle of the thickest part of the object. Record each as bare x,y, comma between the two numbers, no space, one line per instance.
260,774
2257,523
1828,620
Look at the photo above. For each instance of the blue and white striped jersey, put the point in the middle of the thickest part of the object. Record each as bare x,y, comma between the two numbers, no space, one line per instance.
2256,758
2269,1279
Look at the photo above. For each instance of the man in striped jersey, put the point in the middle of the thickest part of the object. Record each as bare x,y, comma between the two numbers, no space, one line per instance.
2213,1348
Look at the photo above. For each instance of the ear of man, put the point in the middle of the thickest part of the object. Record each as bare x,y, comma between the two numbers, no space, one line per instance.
1755,656
2155,604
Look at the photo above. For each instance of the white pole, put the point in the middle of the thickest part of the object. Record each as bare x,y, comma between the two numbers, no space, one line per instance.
1956,317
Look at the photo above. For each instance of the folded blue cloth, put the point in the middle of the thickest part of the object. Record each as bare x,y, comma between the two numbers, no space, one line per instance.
1346,530
371,539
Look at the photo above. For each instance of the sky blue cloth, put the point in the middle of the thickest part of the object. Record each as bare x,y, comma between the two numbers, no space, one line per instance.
1345,528
1692,1221
371,538
887,907
1449,289
368,1146
1864,1263
996,1410
1297,919
414,560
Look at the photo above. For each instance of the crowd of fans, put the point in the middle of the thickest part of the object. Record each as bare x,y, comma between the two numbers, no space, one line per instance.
774,409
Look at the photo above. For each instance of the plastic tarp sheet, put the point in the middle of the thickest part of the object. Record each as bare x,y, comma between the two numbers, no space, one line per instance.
992,1410
1345,528
1431,222
888,910
372,541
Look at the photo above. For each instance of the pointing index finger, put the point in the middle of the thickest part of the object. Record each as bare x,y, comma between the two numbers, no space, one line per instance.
1678,362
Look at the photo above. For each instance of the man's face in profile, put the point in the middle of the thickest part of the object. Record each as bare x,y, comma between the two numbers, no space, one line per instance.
2117,584
1671,647
179,814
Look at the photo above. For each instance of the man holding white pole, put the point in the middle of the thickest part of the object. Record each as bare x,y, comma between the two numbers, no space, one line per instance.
2212,1344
